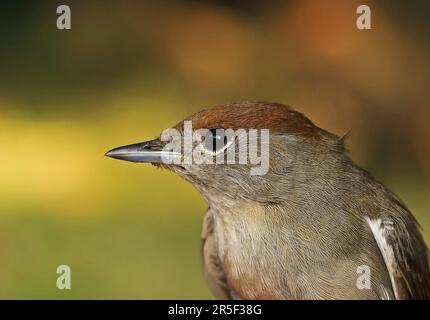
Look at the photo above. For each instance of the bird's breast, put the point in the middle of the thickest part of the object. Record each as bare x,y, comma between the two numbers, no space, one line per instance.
252,253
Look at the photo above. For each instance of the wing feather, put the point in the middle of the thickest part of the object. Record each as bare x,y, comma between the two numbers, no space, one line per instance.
212,266
405,256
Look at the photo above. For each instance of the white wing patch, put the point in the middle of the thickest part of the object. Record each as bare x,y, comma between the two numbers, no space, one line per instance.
380,229
384,294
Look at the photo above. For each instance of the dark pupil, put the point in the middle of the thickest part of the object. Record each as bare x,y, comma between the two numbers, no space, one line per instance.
216,140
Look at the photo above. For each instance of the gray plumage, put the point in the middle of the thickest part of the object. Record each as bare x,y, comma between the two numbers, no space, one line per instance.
302,230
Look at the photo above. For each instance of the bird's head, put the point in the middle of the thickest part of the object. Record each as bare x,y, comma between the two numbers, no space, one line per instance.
249,150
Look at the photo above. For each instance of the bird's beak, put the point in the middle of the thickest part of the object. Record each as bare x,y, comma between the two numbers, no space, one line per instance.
148,151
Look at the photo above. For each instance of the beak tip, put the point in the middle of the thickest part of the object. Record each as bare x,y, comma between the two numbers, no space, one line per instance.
110,153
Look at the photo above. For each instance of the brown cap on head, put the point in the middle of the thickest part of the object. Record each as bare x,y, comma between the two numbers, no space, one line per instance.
276,117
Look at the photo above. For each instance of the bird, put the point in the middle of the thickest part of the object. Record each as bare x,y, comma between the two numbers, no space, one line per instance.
315,226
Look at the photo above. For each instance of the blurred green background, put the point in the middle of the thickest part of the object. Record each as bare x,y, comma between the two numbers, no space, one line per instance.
129,69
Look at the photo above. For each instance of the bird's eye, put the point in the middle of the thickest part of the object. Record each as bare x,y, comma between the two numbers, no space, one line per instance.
215,140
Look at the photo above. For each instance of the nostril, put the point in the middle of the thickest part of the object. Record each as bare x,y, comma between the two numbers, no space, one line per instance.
153,145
